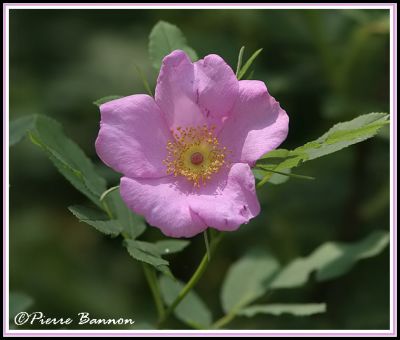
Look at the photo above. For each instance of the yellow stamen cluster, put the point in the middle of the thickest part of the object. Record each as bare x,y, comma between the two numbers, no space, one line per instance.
195,154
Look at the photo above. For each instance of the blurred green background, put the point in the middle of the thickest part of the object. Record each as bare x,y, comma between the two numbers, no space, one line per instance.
322,66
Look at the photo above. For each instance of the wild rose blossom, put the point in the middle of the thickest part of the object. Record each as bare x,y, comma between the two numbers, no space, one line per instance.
186,155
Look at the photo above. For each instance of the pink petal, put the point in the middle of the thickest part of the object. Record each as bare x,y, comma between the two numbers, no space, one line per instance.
164,204
257,124
225,206
217,86
133,136
179,210
195,94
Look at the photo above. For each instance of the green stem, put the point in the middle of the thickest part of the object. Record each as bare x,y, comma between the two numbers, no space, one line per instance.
207,244
192,282
188,287
149,272
105,193
104,203
107,209
151,278
264,168
224,320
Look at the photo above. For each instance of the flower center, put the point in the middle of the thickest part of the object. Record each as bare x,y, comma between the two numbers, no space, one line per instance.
196,158
195,153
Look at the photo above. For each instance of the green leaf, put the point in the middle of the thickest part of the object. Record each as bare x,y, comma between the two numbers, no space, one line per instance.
258,173
106,99
166,271
165,38
148,253
330,260
97,219
345,134
144,80
166,247
19,302
305,309
123,219
240,60
384,133
276,155
250,76
19,128
338,137
68,158
278,178
192,310
247,280
133,225
248,63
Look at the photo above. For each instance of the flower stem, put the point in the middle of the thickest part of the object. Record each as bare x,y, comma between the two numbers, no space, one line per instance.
105,193
107,209
155,290
288,174
149,272
104,203
224,320
207,245
193,280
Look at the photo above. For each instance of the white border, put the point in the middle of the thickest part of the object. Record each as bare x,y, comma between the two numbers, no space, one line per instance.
6,185
197,6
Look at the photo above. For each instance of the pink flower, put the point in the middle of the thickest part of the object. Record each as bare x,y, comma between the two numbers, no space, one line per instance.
186,155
